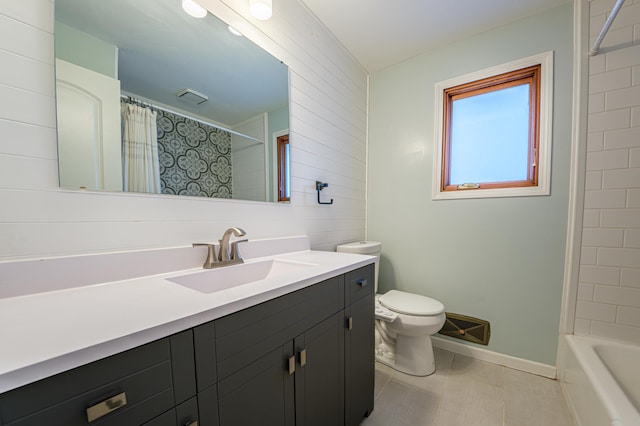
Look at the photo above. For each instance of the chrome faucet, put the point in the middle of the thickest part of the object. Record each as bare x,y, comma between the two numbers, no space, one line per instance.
227,253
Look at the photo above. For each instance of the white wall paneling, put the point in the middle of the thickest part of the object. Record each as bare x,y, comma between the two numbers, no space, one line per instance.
328,137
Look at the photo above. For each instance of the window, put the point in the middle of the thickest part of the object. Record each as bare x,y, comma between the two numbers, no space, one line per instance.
493,132
284,191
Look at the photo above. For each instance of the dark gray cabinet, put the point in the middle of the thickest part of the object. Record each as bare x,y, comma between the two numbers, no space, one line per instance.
132,387
303,359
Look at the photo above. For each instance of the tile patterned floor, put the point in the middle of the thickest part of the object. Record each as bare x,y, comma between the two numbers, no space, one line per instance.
467,392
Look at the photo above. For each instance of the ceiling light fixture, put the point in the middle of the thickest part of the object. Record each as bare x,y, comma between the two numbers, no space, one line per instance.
261,9
194,9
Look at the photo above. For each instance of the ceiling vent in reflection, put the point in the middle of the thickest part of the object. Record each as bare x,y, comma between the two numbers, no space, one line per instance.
192,97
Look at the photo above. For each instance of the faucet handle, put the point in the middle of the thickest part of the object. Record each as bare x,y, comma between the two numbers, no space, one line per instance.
234,249
211,260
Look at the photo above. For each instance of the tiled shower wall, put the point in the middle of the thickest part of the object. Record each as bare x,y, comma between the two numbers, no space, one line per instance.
609,282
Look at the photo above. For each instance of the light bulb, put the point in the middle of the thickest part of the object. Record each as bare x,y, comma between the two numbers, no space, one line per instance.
194,9
261,9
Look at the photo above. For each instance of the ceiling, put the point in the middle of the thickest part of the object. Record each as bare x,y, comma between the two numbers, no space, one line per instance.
379,33
162,50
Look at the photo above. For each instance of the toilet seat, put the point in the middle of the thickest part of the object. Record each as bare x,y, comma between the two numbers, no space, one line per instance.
411,304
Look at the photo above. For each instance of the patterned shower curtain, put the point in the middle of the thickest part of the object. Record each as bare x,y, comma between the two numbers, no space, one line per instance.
141,168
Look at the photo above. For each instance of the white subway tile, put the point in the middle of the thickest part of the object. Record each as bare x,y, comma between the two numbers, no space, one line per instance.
635,73
597,237
599,275
593,180
596,311
597,64
596,22
599,7
633,198
623,138
595,141
634,157
632,238
615,38
585,291
582,326
627,17
625,178
635,116
25,40
623,58
613,159
615,295
624,257
622,218
615,331
591,218
630,277
604,199
610,80
596,102
624,98
628,316
609,120
588,256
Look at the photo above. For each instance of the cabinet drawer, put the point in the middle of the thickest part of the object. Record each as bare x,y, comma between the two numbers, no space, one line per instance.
359,283
243,336
141,377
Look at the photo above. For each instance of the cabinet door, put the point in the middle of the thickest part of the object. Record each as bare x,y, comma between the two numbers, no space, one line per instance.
359,360
319,377
261,393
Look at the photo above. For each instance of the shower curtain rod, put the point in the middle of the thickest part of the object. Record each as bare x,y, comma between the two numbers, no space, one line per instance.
145,103
605,28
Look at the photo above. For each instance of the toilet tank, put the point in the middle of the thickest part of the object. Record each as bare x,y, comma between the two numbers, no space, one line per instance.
371,248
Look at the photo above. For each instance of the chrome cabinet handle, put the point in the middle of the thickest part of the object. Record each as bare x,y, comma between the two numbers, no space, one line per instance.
192,423
107,406
350,323
363,282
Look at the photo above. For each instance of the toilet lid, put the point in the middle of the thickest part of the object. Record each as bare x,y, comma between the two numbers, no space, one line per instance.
410,304
361,247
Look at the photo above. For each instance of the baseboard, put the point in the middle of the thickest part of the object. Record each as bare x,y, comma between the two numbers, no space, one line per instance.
516,363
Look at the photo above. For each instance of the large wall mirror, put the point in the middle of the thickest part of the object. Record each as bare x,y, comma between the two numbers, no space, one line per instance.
150,99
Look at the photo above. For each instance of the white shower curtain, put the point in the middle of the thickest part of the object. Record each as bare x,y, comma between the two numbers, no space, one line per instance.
141,168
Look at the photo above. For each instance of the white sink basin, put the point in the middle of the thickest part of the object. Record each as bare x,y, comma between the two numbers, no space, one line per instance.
226,277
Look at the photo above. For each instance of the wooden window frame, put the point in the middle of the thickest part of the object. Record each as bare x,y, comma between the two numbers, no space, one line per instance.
537,72
281,154
526,76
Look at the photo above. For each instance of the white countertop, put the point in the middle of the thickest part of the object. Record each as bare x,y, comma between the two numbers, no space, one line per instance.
46,333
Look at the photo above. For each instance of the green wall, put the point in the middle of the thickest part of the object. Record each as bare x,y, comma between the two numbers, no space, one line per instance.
86,51
498,259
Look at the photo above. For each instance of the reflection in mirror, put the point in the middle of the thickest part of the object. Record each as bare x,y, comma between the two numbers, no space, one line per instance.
150,99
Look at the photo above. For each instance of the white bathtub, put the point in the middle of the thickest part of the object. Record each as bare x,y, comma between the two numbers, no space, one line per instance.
601,380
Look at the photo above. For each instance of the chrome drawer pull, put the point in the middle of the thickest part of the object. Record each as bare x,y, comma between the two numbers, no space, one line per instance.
107,406
193,423
362,282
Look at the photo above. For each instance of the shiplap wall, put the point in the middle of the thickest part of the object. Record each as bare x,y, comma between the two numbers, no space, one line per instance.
609,280
328,119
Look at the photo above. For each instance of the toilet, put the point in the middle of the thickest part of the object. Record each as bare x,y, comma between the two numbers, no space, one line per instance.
404,322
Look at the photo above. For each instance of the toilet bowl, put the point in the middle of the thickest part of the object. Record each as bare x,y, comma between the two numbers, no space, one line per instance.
404,322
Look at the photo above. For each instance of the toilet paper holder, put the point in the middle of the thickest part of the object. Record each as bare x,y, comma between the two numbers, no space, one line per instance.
319,187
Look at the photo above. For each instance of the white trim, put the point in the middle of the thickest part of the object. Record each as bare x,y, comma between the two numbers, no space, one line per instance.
546,118
516,363
577,169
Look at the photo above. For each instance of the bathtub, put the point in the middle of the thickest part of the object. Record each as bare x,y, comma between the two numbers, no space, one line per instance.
601,380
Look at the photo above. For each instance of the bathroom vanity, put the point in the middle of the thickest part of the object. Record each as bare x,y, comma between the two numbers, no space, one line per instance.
298,353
